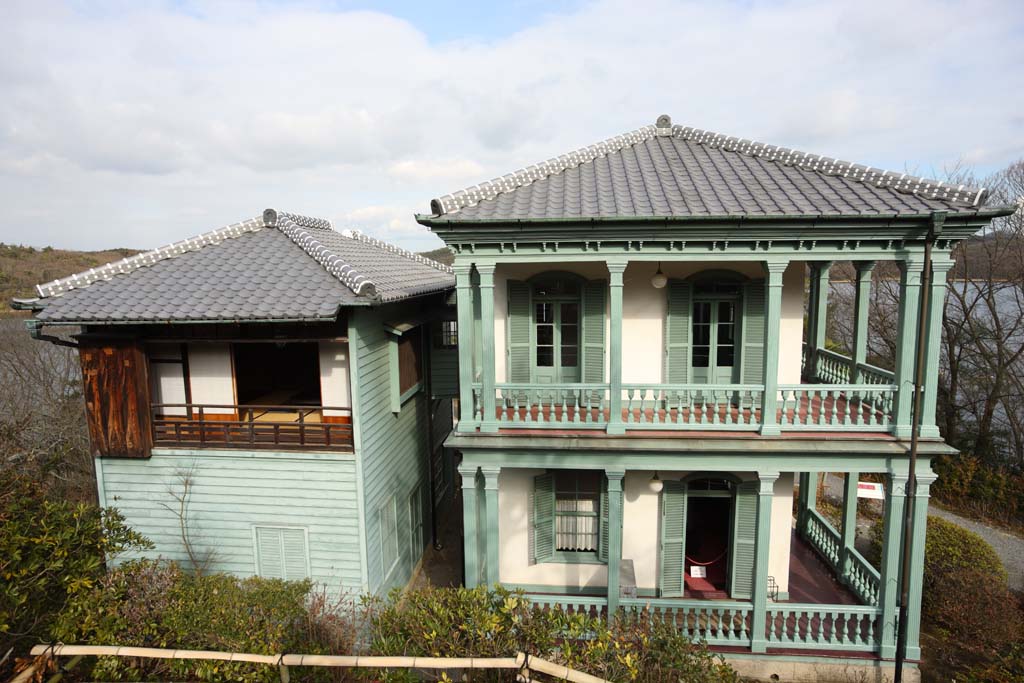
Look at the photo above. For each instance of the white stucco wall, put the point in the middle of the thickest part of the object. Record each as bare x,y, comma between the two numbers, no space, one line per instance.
641,535
644,309
210,374
334,376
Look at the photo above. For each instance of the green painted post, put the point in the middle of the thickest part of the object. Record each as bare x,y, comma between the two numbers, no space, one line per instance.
889,591
759,608
804,481
470,533
614,538
936,303
464,300
819,313
910,301
489,423
615,422
490,535
860,321
773,316
920,526
849,530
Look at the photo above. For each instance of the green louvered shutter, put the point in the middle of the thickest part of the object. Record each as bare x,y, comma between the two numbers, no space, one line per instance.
752,335
677,332
593,331
602,542
744,542
543,518
673,539
519,319
282,553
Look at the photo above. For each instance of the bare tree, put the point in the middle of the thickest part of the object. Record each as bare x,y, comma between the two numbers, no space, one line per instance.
180,491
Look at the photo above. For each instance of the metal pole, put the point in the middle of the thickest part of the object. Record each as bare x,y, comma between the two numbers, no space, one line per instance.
908,514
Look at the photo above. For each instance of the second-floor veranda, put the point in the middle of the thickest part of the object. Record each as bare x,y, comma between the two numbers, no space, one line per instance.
733,341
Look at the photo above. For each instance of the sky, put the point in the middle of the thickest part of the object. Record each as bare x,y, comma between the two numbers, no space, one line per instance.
137,123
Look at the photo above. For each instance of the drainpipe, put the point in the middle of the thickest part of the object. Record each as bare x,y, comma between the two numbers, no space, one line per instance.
938,218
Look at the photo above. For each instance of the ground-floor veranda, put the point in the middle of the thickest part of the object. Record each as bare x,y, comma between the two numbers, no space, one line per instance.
808,586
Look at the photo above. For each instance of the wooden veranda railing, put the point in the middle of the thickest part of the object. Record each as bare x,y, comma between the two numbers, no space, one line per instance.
192,425
526,666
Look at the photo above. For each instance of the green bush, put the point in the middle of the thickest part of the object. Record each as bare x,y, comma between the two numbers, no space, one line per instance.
967,483
155,604
50,552
481,623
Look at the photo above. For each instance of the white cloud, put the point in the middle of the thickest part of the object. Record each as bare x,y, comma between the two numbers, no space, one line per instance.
115,119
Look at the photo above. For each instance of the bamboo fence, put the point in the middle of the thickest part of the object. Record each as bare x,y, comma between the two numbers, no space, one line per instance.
525,665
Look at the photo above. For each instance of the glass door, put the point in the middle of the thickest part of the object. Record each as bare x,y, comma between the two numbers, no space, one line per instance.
557,342
714,342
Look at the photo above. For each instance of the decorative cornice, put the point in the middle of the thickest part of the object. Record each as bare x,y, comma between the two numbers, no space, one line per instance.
133,263
900,182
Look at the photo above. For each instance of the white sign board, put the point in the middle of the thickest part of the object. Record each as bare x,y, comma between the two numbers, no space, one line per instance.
698,572
870,489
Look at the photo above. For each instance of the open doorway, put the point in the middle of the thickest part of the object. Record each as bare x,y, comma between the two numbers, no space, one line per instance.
273,374
707,545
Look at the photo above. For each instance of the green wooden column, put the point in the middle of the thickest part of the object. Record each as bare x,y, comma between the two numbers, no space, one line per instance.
614,538
910,301
470,531
920,530
759,608
817,314
490,530
615,422
889,593
860,320
849,530
489,423
773,316
464,301
808,500
941,264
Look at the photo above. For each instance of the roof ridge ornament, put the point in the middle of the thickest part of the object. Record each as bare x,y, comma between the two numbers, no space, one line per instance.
148,258
394,249
298,231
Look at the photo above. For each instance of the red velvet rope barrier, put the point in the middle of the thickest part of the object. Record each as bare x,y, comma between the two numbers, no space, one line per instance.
705,564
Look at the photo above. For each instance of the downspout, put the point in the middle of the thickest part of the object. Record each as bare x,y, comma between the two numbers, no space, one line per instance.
35,330
938,218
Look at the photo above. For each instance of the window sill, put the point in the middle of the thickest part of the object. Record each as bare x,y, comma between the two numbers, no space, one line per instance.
568,557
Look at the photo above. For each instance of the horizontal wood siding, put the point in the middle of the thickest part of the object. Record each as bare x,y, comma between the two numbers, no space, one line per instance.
233,493
392,446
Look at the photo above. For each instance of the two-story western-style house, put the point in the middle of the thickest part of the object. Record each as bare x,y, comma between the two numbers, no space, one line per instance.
640,396
260,400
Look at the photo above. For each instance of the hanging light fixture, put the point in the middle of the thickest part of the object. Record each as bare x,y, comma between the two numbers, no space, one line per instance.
659,279
655,484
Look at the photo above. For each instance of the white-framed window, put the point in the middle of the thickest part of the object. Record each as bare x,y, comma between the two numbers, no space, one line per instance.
281,552
415,523
387,517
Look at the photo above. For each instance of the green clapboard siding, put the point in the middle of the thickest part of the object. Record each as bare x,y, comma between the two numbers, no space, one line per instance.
543,518
444,366
391,446
677,332
744,541
519,324
593,330
752,334
235,493
673,538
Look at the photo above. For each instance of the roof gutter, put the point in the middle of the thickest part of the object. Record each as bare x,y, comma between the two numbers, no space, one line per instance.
35,331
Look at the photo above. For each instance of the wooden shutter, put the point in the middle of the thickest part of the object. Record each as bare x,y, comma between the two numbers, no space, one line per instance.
602,541
519,323
593,331
673,539
115,382
282,553
544,517
744,541
752,332
677,332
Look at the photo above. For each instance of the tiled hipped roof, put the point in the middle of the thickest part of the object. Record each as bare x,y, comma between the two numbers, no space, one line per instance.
279,266
666,170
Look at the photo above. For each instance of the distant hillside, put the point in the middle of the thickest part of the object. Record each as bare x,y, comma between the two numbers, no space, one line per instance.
22,268
442,255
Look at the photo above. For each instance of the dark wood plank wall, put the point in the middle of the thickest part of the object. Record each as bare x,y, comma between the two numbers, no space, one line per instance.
115,381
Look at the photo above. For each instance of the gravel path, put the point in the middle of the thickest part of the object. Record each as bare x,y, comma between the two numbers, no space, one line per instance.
1009,546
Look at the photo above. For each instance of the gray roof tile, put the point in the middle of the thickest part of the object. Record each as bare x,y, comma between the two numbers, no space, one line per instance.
277,267
672,171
